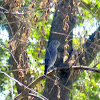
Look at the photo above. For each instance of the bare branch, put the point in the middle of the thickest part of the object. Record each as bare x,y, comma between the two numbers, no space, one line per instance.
88,7
91,48
35,93
58,70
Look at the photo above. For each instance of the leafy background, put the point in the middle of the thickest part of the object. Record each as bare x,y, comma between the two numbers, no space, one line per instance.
87,86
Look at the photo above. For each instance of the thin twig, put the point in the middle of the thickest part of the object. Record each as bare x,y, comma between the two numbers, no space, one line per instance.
35,93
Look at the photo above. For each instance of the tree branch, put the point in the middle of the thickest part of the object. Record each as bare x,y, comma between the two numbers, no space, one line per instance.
88,7
59,70
90,49
52,72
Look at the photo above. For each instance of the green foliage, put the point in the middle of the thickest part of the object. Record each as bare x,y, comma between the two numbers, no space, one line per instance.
87,86
4,66
1,3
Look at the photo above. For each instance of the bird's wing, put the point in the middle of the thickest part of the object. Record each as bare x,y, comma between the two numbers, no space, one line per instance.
50,54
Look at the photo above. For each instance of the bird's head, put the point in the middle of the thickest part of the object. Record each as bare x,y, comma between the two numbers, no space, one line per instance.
55,43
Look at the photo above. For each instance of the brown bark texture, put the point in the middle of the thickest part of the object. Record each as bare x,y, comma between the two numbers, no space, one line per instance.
65,17
62,25
61,30
18,38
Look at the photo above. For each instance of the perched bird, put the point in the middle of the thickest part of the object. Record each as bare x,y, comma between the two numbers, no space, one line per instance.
51,54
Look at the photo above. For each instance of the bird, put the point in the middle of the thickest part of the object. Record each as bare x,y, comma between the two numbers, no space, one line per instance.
51,55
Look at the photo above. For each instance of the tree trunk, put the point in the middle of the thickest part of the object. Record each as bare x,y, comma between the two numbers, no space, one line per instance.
61,30
18,38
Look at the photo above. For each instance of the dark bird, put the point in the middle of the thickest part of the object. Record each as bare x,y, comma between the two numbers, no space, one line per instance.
51,55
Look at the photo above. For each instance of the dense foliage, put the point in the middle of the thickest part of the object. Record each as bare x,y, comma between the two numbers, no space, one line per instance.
39,15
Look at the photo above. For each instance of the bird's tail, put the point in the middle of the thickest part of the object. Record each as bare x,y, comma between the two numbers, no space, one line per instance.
46,67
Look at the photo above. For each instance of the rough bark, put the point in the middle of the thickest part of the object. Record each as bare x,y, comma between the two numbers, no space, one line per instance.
85,57
18,34
64,17
64,9
90,48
